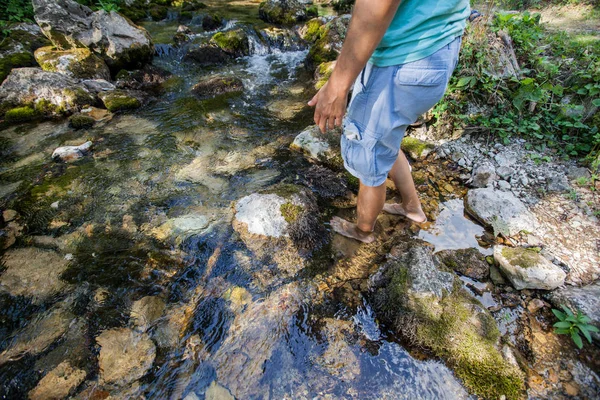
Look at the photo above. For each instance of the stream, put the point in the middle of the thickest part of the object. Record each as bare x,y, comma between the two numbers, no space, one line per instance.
149,217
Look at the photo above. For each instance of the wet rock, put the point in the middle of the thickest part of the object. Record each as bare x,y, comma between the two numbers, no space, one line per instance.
58,383
415,148
281,39
328,39
199,171
71,153
527,269
125,356
207,54
81,121
116,39
324,182
484,175
218,85
44,329
339,359
146,311
17,47
33,273
492,206
262,214
217,392
120,100
149,79
234,42
10,233
468,262
77,63
428,308
48,93
282,12
585,299
312,143
182,227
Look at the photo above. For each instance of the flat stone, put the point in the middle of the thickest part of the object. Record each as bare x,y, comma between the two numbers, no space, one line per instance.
125,356
492,206
527,269
311,142
33,273
469,262
182,227
58,383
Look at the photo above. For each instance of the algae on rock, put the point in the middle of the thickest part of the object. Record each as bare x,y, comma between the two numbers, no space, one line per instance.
78,63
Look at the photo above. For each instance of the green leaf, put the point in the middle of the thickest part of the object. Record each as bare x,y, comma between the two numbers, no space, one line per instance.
571,318
577,339
562,324
562,331
586,333
592,328
596,102
559,314
464,81
567,310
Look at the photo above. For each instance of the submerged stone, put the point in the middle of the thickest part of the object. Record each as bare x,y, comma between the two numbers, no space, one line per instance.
181,227
146,311
58,383
217,86
119,100
33,273
71,153
125,356
528,269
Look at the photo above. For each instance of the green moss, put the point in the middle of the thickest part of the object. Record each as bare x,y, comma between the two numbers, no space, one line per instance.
46,107
290,212
285,190
119,101
16,60
79,121
234,42
353,182
78,96
83,63
321,52
415,147
324,71
158,13
20,114
525,258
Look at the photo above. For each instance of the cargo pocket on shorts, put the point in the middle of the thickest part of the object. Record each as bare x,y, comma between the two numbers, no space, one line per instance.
421,77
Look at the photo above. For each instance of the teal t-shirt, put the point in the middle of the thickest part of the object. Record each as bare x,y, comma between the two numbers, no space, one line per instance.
419,29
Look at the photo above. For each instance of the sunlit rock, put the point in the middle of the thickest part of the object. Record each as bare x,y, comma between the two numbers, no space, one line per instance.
71,153
78,63
527,269
217,392
58,383
125,356
33,273
181,227
585,299
146,311
313,143
283,12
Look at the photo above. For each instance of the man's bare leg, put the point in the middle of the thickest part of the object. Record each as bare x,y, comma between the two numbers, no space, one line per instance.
411,205
370,203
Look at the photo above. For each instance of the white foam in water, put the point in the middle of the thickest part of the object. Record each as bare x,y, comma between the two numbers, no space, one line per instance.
260,67
365,321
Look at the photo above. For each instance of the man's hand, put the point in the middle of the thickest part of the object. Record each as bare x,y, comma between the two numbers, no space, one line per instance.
330,106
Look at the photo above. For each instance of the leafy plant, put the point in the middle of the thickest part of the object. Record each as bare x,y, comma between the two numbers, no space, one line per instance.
109,5
500,227
573,325
16,10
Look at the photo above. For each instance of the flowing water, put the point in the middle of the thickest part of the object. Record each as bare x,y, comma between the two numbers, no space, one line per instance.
150,214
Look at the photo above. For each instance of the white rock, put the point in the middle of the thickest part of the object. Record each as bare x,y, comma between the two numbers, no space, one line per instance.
484,174
527,269
311,142
493,206
71,153
262,214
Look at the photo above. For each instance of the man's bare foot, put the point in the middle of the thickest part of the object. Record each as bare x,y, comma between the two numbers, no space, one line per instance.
417,216
348,229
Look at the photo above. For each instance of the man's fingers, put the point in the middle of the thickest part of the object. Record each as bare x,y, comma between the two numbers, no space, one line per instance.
323,124
313,101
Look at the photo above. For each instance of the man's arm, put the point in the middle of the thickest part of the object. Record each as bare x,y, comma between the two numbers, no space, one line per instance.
370,20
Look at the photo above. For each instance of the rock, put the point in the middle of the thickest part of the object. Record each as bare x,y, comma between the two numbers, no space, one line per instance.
207,54
312,142
557,183
9,215
506,159
535,305
217,392
120,100
218,85
342,6
146,311
71,153
182,227
48,93
117,40
484,175
234,42
574,173
281,39
324,182
33,273
496,276
585,299
78,63
328,39
149,79
468,262
500,55
125,356
505,172
492,206
43,330
323,72
262,214
415,148
81,121
17,47
504,186
430,309
338,358
527,269
58,383
282,12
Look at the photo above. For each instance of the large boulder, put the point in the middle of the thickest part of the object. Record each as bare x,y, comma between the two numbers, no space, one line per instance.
585,299
501,210
234,42
78,63
69,24
49,93
16,49
527,269
429,308
283,12
207,54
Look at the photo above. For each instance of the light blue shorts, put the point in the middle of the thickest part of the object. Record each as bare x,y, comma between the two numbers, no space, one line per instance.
385,101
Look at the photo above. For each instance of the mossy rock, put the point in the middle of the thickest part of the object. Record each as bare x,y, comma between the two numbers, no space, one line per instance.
321,52
21,114
323,73
415,148
282,12
234,42
210,22
16,50
158,13
80,121
119,100
79,63
217,86
15,60
290,212
451,324
312,30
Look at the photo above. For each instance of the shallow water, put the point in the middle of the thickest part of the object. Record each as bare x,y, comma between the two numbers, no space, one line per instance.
149,214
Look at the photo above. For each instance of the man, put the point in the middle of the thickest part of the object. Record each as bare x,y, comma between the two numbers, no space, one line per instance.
411,47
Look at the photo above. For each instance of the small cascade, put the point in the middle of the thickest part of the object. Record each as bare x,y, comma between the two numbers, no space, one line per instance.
172,15
256,45
163,50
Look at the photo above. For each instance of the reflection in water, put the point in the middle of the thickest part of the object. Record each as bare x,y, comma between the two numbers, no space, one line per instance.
452,230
